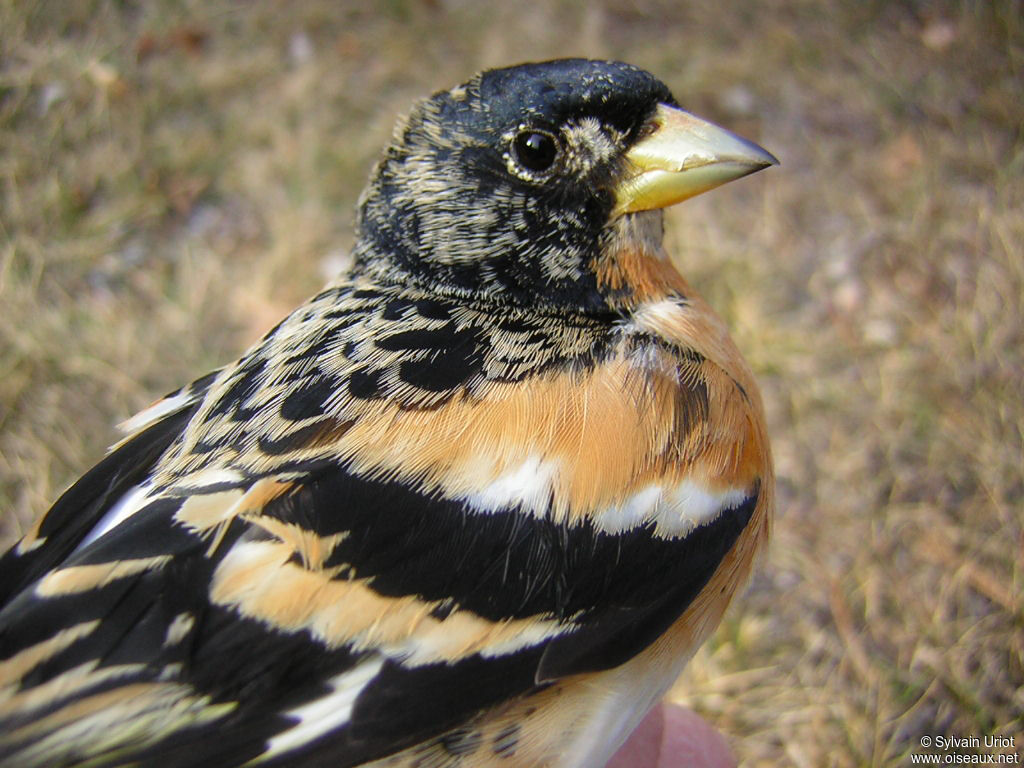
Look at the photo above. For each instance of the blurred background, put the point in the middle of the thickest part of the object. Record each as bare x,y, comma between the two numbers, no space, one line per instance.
177,176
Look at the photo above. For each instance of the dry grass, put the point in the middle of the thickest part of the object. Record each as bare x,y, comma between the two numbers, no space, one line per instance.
176,176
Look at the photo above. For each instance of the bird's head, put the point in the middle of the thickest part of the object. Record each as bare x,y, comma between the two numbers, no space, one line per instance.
513,187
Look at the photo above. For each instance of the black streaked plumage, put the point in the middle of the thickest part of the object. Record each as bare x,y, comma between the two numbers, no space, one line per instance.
492,233
508,450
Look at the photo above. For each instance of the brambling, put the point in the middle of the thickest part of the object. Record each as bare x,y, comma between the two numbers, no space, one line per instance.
474,504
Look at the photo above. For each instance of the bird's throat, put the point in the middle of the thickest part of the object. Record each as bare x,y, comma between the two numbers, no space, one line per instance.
634,267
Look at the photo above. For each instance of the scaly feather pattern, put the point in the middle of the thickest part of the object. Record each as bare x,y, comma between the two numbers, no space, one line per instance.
474,504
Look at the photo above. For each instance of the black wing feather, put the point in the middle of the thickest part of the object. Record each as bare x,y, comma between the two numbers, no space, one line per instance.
83,505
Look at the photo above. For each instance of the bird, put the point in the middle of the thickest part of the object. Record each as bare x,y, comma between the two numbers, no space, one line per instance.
476,503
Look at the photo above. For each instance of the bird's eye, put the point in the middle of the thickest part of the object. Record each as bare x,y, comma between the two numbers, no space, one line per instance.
535,150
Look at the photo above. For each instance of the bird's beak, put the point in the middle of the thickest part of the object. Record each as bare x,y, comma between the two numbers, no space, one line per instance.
683,157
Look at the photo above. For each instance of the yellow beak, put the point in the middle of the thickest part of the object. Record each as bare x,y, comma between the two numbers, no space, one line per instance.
682,158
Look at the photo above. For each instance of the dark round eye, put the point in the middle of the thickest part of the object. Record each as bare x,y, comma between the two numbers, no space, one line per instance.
535,150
